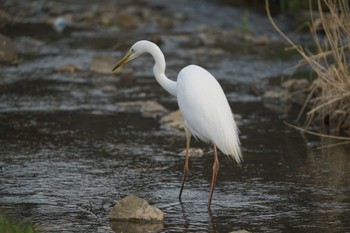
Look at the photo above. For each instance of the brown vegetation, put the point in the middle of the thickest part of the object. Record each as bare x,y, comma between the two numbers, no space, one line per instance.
328,102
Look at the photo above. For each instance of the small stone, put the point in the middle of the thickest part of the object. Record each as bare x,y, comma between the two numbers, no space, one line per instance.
152,109
296,84
70,68
8,51
193,152
261,39
135,227
103,64
240,231
173,120
146,108
29,46
133,208
277,95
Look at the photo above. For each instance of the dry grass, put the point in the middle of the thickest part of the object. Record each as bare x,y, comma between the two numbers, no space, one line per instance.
328,102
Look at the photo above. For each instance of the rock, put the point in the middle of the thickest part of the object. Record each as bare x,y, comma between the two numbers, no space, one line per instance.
297,89
29,46
276,95
173,120
152,109
146,108
70,68
8,51
5,18
277,100
134,227
193,152
240,231
296,85
291,91
102,64
133,208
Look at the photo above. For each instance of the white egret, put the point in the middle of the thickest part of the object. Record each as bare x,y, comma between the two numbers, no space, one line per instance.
205,109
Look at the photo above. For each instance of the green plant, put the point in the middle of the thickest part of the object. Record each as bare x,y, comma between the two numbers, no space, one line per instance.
7,226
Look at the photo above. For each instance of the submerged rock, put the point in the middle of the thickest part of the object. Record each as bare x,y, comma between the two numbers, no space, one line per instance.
133,208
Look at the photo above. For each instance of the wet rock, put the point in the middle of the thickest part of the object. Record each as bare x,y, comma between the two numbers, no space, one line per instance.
193,152
276,95
8,51
291,91
238,119
296,85
277,100
102,64
298,89
152,109
5,18
240,231
208,35
134,227
258,39
146,108
133,208
68,68
173,120
29,46
127,20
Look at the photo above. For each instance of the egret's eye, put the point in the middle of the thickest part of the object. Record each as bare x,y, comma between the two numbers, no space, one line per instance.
132,50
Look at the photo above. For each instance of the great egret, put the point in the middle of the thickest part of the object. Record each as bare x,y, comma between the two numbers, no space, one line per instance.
205,109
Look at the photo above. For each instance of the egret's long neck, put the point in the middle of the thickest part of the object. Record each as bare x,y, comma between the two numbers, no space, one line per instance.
159,69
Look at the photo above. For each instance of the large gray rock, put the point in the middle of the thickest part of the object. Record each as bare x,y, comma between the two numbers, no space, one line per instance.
133,208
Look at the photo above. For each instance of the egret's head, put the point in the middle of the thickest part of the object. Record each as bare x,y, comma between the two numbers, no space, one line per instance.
136,50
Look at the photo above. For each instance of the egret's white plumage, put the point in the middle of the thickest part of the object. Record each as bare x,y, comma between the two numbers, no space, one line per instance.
206,111
207,114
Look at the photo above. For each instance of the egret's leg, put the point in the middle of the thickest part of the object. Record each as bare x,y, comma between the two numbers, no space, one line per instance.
215,173
188,139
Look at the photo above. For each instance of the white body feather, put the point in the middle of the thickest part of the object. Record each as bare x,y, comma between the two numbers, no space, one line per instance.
206,111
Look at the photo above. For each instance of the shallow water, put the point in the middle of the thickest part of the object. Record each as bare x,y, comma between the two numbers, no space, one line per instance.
68,151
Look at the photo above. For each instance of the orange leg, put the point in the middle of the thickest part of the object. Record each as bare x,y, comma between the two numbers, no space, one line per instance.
185,167
215,173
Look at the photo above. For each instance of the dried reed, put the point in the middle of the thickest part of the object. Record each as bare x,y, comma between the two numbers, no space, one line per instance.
328,102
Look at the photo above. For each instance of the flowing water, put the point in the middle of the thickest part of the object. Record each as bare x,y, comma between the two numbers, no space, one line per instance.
68,151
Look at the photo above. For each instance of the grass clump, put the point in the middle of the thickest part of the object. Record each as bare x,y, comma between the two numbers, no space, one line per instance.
9,227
